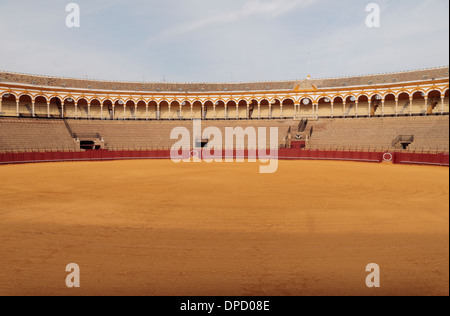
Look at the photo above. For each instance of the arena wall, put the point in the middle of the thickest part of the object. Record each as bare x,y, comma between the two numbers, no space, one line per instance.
284,154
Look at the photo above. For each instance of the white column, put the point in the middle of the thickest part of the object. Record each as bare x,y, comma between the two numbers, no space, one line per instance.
89,110
170,112
396,106
158,113
332,109
114,111
33,108
214,111
442,104
124,111
192,111
356,108
382,107
343,105
270,110
315,110
226,111
281,110
299,108
410,106
146,111
203,116
370,108
248,111
17,107
259,111
1,106
426,105
237,111
62,108
135,112
48,108
101,111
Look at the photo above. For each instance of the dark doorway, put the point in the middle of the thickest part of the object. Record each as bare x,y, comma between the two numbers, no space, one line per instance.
88,145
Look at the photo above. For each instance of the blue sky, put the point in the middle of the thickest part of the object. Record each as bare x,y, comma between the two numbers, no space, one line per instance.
221,40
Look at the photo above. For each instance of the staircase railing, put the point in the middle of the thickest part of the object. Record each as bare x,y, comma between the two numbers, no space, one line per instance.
69,129
302,125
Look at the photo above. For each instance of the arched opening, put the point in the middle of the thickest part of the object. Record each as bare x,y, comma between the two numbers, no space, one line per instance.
108,109
130,110
324,107
418,107
264,109
434,100
9,105
390,108
25,106
119,109
82,110
404,103
95,110
55,108
231,110
337,107
350,106
376,102
306,108
288,111
141,113
208,113
185,110
176,110
197,110
246,112
363,106
276,109
152,112
164,112
40,106
219,112
69,107
445,105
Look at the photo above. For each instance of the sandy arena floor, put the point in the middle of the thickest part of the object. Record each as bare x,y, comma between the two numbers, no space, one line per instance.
159,228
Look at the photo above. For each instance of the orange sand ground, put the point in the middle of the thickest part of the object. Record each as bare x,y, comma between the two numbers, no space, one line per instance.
159,228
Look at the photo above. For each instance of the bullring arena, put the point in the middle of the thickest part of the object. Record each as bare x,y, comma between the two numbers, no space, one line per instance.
86,177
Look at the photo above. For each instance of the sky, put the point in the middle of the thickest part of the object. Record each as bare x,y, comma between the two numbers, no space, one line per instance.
221,40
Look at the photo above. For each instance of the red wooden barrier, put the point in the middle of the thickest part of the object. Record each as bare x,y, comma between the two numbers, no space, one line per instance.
283,153
365,156
298,144
331,155
445,159
67,156
375,156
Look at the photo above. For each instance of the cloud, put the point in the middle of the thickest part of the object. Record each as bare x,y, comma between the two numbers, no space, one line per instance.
265,9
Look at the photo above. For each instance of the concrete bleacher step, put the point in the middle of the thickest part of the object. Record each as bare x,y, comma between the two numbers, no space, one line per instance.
431,133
